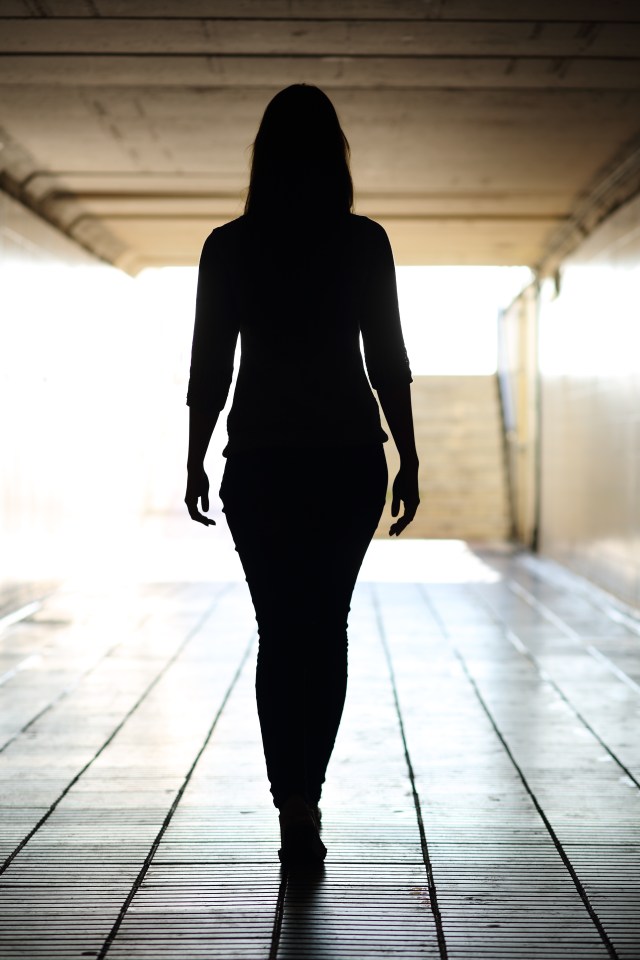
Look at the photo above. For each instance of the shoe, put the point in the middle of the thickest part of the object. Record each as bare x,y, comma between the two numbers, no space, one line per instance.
316,813
299,833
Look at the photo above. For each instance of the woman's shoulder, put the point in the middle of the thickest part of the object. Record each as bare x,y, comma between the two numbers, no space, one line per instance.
227,233
230,236
370,236
224,243
360,222
367,228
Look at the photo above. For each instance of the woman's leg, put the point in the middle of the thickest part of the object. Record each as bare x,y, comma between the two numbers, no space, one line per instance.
271,555
358,477
302,521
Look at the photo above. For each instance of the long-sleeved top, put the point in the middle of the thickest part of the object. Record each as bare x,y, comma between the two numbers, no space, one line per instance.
300,295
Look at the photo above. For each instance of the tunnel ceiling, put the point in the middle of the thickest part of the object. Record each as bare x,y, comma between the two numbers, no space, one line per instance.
482,131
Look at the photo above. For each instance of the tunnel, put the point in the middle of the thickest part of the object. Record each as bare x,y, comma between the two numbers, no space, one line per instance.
482,798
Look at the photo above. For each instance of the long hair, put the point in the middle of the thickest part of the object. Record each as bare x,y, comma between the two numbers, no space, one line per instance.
300,157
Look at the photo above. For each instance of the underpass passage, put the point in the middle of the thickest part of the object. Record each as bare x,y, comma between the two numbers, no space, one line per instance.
482,799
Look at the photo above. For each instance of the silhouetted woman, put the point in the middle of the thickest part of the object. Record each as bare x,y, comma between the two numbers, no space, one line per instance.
300,278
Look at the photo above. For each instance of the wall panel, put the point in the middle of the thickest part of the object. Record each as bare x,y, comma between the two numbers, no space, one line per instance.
590,386
88,381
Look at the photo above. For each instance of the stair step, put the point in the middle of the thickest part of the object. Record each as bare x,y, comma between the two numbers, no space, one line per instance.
463,482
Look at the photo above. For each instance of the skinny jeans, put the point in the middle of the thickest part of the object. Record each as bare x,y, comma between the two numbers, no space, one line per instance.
301,520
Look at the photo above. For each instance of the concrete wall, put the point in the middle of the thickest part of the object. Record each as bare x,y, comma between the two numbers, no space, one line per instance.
518,378
79,430
590,393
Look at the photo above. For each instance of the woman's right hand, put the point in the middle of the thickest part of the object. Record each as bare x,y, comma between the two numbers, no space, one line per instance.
405,490
198,489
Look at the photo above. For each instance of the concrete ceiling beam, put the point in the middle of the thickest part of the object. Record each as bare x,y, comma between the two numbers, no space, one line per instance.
188,204
612,10
209,37
617,182
331,72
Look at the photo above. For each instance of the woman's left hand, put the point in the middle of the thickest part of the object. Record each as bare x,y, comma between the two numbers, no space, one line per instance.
405,490
198,489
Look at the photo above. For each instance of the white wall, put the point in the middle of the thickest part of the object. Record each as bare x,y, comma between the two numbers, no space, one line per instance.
92,400
590,393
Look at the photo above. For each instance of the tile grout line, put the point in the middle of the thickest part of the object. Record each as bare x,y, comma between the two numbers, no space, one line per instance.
572,634
20,613
604,936
616,609
522,648
137,883
433,896
31,659
43,819
68,689
279,917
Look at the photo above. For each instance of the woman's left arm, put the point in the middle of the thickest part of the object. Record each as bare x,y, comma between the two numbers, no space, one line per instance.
384,349
389,372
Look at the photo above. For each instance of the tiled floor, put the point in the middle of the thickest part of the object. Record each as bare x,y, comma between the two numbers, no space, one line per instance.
483,800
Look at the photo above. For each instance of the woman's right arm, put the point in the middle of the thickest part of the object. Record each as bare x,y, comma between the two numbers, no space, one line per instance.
215,335
201,426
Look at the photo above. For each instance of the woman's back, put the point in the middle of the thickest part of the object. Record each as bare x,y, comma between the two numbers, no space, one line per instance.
299,292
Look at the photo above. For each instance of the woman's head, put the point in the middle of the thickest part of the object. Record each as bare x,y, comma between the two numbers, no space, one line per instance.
300,157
